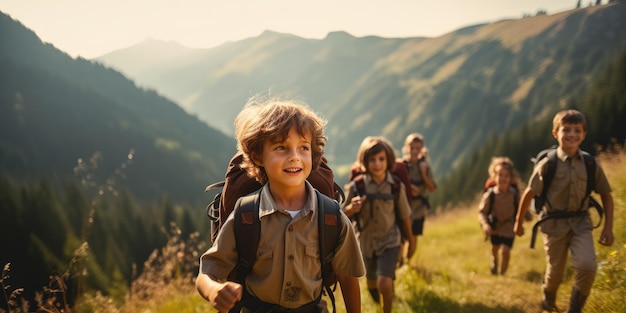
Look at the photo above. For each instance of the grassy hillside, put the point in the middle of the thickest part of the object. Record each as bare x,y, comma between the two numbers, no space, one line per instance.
449,273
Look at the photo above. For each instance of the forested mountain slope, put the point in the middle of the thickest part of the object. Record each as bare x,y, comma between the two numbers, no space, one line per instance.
55,110
456,89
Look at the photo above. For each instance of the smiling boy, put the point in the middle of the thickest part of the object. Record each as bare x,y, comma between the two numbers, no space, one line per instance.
281,142
566,193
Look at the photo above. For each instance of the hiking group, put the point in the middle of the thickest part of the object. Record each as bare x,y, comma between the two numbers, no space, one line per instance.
559,189
284,233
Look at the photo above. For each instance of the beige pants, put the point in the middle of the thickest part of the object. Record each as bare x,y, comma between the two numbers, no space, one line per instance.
583,260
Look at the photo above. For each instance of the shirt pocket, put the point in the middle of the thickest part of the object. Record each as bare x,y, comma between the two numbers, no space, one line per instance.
264,258
311,263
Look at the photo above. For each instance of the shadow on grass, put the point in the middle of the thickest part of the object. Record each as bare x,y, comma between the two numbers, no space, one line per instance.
431,302
534,276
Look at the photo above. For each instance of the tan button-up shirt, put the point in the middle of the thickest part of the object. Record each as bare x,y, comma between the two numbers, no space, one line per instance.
287,271
567,190
377,218
503,209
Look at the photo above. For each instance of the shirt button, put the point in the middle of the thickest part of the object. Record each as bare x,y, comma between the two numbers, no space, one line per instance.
288,283
290,228
290,257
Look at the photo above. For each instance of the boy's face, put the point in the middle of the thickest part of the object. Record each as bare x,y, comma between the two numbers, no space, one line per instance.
503,177
415,150
570,136
377,166
287,163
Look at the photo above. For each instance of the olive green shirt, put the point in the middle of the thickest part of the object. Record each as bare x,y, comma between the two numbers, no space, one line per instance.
287,270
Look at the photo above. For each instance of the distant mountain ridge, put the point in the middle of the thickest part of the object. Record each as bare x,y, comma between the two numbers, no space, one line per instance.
457,89
55,110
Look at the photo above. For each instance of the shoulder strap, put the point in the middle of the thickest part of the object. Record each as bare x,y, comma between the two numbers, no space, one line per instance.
329,227
247,229
358,185
549,174
590,165
492,197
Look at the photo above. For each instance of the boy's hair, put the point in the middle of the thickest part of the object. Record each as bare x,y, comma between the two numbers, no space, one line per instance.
504,162
271,119
372,145
569,117
411,138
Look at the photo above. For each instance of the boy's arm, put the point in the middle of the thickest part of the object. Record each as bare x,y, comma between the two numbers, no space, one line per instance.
406,223
426,178
483,208
606,238
351,293
521,211
222,296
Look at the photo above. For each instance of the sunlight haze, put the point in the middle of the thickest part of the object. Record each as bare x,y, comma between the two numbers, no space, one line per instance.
92,28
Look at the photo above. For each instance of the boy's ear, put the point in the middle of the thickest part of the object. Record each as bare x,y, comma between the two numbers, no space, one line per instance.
554,133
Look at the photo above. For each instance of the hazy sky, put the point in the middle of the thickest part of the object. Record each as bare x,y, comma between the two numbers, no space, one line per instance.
90,28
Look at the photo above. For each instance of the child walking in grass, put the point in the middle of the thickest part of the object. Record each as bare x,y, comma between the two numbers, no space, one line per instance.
568,227
497,211
421,181
281,142
377,202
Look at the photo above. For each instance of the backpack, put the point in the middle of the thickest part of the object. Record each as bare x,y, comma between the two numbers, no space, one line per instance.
420,183
400,170
540,200
550,153
247,228
237,184
358,185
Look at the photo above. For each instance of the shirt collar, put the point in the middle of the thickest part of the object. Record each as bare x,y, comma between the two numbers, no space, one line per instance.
561,155
267,205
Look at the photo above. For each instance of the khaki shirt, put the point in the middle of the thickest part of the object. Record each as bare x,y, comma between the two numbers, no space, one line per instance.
567,190
418,207
378,217
287,271
503,209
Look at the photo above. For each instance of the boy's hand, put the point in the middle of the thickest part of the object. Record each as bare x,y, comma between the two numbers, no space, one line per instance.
487,230
606,239
518,228
415,191
357,204
225,297
411,249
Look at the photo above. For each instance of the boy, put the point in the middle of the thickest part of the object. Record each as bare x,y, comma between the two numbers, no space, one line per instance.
500,202
377,211
421,181
281,143
567,193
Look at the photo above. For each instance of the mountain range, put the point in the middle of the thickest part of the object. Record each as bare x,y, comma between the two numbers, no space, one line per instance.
171,108
457,89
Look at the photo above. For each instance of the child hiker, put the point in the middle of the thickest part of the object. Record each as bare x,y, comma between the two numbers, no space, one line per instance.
497,212
421,178
377,202
566,194
281,142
